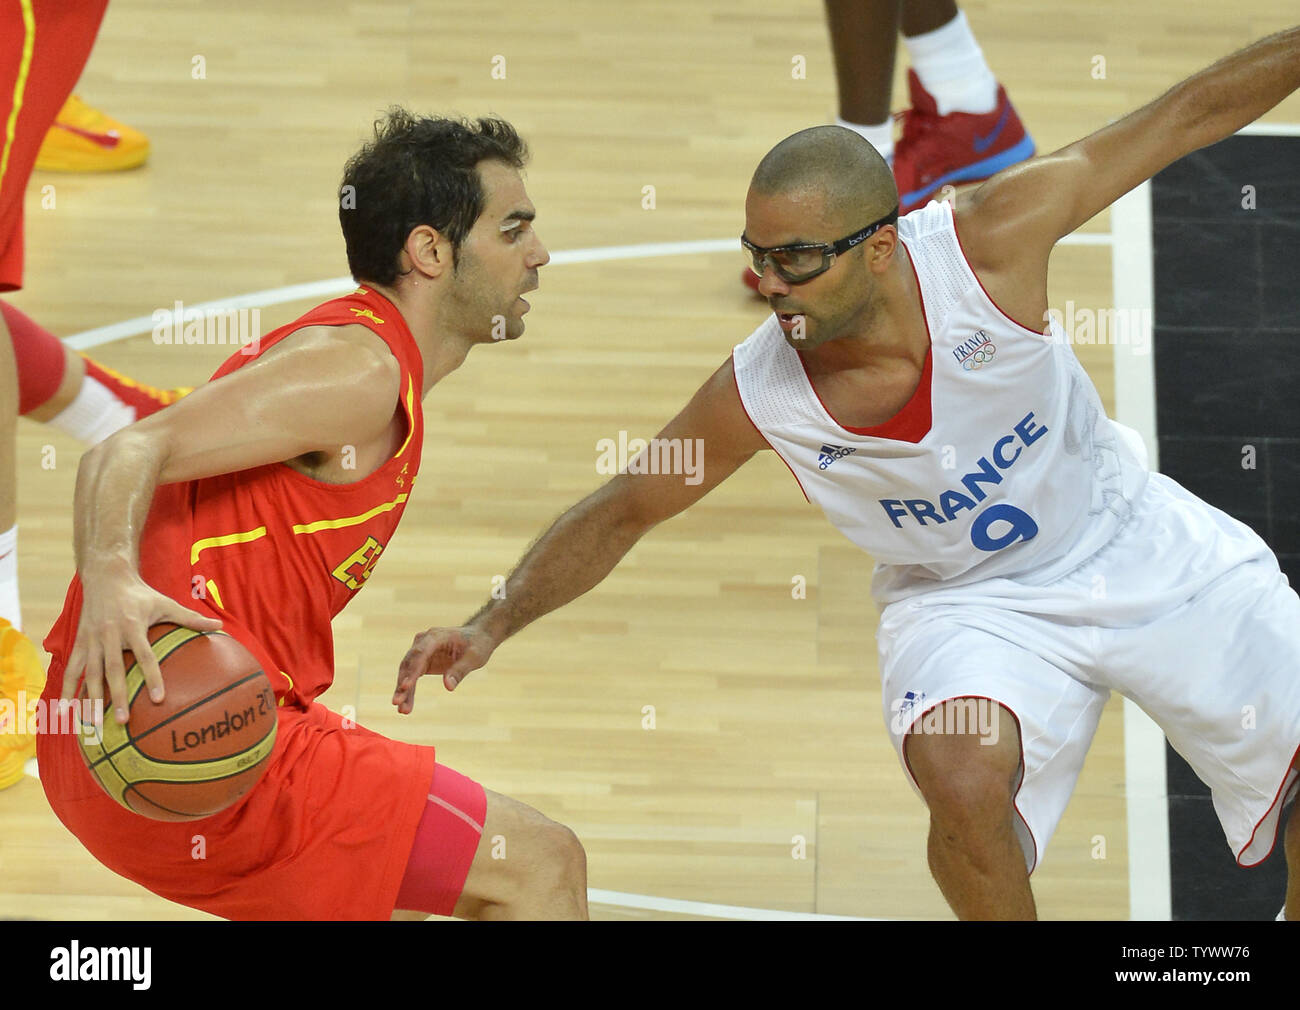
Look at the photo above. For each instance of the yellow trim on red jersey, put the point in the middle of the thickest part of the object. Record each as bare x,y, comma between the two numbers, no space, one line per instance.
20,85
290,680
224,541
338,524
216,596
410,413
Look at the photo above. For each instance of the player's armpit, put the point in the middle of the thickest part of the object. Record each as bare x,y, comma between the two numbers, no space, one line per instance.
696,451
318,389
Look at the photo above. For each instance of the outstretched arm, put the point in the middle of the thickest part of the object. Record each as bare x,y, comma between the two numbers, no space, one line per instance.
1031,206
588,540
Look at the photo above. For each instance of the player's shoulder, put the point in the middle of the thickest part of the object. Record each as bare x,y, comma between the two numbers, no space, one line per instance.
932,219
331,361
352,343
1000,221
980,228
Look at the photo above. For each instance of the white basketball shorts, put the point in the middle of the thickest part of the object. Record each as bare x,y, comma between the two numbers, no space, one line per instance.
1184,611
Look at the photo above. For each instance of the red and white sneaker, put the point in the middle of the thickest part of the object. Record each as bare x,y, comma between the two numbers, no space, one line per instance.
936,151
145,400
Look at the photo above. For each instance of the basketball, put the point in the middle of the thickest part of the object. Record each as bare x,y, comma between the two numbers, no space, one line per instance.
204,746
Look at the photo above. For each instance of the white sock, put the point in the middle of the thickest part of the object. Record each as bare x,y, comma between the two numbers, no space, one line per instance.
94,414
880,136
951,67
9,608
1281,916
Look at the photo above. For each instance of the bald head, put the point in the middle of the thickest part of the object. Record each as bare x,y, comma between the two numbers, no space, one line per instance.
838,165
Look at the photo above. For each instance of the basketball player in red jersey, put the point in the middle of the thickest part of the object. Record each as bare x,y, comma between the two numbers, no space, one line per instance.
43,46
876,321
264,500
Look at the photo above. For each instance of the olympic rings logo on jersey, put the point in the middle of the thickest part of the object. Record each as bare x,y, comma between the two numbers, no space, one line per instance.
979,358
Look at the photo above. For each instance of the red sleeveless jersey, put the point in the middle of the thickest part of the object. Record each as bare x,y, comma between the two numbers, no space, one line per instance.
327,831
278,551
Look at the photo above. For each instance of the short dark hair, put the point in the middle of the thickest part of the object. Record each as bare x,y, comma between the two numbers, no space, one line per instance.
418,170
857,183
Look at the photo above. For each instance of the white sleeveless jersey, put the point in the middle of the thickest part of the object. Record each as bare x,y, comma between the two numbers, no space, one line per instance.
1021,473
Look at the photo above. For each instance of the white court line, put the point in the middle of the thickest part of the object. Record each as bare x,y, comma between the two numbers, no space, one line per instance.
704,908
342,285
1271,129
1146,789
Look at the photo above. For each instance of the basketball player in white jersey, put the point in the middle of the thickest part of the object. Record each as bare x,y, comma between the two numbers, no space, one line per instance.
1025,554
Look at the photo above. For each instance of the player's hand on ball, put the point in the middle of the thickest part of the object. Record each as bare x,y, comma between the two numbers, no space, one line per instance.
117,611
450,653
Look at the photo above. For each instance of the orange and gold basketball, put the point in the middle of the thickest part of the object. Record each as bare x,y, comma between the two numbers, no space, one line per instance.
204,746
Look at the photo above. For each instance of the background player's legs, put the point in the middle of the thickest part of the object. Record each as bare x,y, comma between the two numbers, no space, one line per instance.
864,37
526,867
42,52
921,16
969,786
70,392
961,128
46,381
69,384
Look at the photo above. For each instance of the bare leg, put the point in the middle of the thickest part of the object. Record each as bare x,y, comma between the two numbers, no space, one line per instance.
864,36
921,16
526,867
974,854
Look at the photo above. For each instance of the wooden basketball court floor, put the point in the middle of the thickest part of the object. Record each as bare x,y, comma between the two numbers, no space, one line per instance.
767,780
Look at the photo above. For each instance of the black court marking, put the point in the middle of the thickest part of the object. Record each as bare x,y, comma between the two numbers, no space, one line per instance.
1227,364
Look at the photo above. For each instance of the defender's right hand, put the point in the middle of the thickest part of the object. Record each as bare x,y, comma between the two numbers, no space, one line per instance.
451,653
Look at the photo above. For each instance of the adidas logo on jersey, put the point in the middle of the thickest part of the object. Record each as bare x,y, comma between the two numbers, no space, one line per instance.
830,453
975,352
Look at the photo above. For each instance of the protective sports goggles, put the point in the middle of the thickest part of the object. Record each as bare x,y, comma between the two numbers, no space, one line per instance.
796,264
